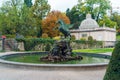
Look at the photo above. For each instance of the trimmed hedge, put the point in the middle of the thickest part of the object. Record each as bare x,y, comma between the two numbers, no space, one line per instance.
30,43
113,70
90,44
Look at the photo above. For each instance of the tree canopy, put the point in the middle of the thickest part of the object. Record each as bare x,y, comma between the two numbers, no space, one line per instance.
97,8
49,23
107,22
29,19
116,18
18,17
40,9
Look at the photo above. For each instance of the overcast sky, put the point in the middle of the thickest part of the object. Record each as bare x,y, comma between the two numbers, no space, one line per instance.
62,5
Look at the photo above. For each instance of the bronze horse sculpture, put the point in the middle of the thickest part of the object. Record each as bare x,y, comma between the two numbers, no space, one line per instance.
64,28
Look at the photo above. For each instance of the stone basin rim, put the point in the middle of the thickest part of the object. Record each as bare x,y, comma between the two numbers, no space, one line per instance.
20,64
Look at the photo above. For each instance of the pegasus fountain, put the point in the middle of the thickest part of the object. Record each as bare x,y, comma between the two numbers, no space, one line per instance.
62,50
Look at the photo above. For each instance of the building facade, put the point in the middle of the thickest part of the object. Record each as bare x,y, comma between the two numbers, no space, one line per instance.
89,27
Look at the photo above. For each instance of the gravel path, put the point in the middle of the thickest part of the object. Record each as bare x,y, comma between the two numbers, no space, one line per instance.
25,74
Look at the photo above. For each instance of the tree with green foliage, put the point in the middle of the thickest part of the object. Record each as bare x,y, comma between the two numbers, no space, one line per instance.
98,8
40,9
74,17
106,21
16,18
9,16
27,25
73,13
113,70
116,17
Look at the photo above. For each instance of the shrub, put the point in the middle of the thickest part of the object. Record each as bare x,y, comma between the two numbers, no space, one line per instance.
73,37
10,36
30,43
48,47
90,38
45,35
83,39
113,70
57,38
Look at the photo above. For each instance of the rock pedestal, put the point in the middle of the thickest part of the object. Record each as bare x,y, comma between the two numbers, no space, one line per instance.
61,52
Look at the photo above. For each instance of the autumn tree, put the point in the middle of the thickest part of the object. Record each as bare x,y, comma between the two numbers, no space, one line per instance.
49,23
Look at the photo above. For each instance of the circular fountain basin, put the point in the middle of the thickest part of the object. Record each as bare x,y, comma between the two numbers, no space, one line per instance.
90,61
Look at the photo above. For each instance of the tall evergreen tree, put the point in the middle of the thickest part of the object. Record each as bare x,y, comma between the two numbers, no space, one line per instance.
113,70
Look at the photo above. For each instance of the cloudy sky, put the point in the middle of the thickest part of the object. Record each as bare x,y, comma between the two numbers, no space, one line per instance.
62,5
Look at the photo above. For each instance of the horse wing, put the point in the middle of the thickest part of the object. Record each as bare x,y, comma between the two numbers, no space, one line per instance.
69,26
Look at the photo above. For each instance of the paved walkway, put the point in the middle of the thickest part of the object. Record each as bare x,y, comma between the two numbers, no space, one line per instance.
26,74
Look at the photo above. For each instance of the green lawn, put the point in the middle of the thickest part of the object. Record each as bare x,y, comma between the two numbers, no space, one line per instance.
118,38
100,50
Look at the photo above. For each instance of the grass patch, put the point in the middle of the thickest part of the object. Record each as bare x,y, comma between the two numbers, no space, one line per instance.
2,51
118,38
100,50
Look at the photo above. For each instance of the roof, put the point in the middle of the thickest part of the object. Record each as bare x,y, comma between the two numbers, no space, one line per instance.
88,23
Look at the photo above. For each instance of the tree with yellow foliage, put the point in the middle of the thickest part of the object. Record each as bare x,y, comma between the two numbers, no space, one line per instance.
49,23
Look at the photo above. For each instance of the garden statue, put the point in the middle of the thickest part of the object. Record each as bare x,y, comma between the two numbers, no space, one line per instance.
62,50
64,28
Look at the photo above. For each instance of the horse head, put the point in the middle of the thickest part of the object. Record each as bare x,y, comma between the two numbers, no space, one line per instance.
60,22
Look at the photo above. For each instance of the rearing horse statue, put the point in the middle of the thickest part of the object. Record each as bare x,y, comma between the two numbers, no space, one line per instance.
64,28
